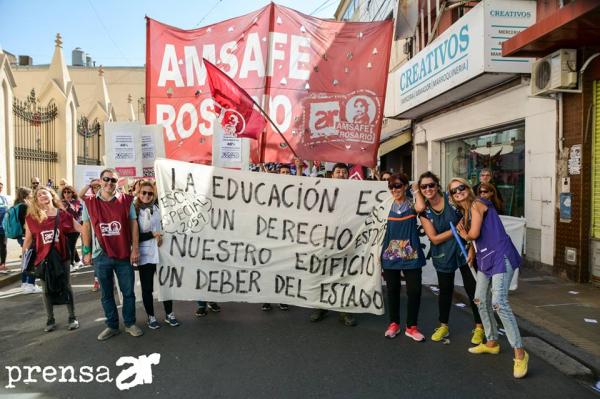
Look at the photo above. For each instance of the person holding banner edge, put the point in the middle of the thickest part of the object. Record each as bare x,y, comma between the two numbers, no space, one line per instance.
340,171
112,217
436,213
497,258
402,253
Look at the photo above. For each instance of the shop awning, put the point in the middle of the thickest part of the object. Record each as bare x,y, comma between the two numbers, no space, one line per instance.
395,142
575,25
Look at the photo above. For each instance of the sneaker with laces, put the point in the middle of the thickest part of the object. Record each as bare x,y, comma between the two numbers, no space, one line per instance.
392,330
201,312
483,348
520,368
153,324
108,333
96,286
440,333
134,331
266,307
283,306
414,333
347,319
318,315
73,324
50,325
478,336
36,289
74,267
171,320
214,307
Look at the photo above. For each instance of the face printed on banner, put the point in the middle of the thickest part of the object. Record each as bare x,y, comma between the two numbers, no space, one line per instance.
325,96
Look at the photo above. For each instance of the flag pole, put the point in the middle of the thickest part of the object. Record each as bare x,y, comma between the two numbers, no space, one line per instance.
275,126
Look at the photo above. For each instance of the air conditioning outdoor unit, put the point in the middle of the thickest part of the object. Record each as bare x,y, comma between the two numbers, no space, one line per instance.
554,72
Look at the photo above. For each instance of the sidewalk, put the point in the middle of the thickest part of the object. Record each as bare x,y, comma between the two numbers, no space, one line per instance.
13,264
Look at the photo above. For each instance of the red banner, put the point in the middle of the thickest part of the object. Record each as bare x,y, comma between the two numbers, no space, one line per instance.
322,82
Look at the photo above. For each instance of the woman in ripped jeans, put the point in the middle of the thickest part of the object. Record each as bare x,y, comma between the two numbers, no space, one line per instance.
497,258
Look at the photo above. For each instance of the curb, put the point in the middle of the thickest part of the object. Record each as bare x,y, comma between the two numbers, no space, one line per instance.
9,279
553,348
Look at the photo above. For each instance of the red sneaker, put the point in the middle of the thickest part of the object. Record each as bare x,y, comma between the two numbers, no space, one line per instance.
414,333
392,330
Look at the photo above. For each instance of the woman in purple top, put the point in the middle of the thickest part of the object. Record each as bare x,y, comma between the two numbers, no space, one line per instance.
72,205
497,258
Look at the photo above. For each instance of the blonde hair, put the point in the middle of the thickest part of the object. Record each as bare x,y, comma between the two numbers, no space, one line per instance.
35,211
143,183
471,195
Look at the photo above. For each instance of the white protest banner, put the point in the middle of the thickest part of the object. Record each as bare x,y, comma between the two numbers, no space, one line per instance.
123,148
258,237
84,174
153,147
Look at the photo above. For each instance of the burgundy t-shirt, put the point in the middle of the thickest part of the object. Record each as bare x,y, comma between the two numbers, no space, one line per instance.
42,235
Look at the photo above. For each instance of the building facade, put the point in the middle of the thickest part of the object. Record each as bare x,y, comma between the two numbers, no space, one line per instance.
52,116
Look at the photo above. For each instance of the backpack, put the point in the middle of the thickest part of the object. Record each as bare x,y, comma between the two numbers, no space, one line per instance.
11,223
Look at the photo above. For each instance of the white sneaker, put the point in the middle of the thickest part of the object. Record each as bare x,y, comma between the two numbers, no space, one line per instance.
79,264
74,267
36,289
28,288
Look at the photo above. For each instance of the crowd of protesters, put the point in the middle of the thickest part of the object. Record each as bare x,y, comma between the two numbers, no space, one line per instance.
120,232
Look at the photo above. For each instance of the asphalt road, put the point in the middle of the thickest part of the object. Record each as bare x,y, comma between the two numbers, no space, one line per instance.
243,352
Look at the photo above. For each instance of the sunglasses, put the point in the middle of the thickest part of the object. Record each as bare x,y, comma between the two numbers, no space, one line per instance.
67,192
428,185
110,179
150,193
458,189
483,191
395,186
35,183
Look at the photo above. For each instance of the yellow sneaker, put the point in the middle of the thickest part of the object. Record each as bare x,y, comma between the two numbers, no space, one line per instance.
440,333
520,369
483,348
478,335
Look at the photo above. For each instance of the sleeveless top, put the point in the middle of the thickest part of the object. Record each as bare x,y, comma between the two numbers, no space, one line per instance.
401,245
446,256
493,244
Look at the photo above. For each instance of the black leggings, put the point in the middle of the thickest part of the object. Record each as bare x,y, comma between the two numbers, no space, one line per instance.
2,248
147,280
413,291
73,237
446,283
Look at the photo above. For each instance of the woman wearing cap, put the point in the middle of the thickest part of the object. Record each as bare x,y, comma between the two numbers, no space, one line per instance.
497,258
402,253
436,213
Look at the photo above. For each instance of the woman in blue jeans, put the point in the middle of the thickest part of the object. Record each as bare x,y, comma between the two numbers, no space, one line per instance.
497,258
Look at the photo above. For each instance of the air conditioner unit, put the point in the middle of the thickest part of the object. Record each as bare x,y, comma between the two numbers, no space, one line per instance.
555,72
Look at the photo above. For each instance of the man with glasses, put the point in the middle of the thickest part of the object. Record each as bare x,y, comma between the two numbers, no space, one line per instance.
35,183
116,248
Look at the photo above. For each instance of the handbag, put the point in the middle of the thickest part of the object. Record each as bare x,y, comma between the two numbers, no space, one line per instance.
40,270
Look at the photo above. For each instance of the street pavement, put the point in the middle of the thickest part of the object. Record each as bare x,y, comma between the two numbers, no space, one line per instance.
243,352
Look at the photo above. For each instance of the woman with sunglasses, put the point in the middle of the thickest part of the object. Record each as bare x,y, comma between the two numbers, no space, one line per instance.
148,217
402,253
41,221
436,213
489,192
497,258
72,205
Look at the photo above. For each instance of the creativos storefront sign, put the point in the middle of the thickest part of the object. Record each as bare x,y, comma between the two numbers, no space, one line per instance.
469,48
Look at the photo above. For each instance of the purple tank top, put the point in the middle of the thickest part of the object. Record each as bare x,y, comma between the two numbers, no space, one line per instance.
493,244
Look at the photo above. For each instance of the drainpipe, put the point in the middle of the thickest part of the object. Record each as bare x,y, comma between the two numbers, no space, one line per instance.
559,121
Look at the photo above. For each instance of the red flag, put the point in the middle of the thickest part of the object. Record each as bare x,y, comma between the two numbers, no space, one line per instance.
356,173
237,115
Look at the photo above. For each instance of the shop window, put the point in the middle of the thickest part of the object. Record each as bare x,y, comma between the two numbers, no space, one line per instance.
503,152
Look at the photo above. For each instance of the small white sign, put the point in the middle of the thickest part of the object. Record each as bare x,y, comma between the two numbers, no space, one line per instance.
593,321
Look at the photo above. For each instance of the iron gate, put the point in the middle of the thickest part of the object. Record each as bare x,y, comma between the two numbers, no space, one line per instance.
88,152
35,153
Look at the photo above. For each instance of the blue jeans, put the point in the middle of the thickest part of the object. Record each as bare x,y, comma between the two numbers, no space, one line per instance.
105,268
494,297
25,277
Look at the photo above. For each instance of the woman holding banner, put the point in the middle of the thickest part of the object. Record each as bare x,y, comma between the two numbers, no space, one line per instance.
436,213
497,258
402,253
148,217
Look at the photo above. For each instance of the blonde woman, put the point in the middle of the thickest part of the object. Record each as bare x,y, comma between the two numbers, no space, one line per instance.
46,232
497,258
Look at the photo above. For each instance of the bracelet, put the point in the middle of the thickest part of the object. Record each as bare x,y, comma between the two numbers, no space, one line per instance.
86,249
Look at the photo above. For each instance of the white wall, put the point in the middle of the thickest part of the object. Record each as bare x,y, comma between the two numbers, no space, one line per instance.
511,105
